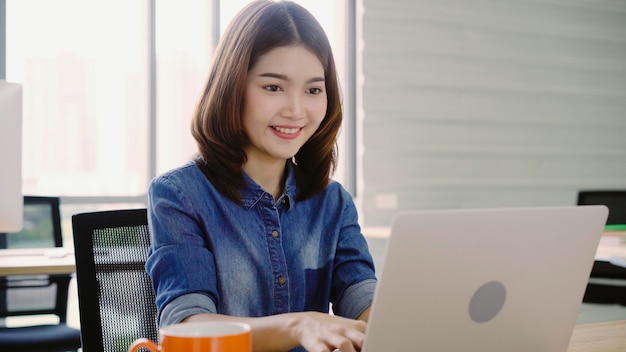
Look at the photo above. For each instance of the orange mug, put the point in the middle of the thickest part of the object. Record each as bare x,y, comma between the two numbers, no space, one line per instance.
210,336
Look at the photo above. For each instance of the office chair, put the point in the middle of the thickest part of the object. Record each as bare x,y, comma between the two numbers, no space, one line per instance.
115,296
607,282
615,200
23,295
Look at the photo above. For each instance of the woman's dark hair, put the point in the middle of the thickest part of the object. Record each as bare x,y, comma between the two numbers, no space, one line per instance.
217,123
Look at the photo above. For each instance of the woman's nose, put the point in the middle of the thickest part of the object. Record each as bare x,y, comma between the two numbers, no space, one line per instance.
294,107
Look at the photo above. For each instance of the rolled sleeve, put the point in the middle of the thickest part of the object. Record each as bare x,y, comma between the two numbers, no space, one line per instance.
185,306
356,299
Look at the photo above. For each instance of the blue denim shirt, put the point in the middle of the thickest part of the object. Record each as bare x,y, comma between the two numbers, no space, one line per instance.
211,255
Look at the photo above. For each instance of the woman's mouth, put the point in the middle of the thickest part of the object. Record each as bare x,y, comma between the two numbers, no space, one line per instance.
286,132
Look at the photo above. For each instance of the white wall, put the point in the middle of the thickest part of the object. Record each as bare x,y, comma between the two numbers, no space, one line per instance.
490,103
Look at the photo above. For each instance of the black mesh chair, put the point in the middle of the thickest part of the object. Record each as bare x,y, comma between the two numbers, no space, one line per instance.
115,295
37,295
607,282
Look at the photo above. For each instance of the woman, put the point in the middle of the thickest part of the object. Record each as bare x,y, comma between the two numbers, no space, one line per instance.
254,230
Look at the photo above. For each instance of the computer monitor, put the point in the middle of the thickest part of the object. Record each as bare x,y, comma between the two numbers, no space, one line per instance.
11,199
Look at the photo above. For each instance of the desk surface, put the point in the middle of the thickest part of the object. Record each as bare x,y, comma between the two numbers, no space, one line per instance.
599,337
61,260
36,261
612,248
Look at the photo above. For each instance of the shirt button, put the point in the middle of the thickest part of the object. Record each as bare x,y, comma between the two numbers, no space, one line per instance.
282,280
284,200
275,234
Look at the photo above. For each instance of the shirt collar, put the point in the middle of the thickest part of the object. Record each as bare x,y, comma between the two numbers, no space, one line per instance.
253,193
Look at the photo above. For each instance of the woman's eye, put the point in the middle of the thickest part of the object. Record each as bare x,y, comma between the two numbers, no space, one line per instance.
314,91
272,88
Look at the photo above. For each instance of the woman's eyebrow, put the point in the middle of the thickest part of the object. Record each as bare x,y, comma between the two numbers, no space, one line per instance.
283,77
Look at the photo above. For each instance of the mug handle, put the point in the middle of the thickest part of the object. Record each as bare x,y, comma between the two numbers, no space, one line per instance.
145,343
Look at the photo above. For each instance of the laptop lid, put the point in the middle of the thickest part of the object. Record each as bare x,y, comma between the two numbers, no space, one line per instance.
509,279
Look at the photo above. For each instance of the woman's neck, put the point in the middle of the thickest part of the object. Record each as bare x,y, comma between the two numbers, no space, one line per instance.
268,175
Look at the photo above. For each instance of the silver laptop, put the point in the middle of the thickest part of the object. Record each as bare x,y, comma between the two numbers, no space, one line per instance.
488,280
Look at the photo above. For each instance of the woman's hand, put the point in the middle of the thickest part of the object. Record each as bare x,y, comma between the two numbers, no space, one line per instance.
315,331
320,332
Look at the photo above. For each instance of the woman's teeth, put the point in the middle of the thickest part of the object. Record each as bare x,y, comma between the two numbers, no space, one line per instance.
286,130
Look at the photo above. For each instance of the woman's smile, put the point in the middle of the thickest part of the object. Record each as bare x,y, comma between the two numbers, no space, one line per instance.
287,132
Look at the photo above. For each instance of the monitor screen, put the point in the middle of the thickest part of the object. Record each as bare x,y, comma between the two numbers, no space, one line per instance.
11,199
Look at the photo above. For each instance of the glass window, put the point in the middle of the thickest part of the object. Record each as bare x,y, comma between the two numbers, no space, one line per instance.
184,49
84,70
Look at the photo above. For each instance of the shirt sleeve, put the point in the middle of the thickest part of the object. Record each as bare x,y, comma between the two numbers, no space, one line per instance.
356,299
184,306
179,262
354,279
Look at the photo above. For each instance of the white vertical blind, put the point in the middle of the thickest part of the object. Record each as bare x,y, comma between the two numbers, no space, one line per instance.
490,103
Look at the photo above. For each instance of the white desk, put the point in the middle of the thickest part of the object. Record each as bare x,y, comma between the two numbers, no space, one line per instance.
36,261
612,248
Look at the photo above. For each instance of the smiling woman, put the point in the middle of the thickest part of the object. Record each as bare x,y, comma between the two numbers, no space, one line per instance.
333,16
277,240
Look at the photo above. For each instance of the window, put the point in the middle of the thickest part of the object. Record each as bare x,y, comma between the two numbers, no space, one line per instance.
110,86
185,38
85,94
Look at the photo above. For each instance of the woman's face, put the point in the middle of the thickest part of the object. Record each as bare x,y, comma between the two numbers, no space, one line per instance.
284,103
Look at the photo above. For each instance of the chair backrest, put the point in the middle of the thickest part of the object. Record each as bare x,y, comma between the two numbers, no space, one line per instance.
615,200
606,284
606,280
35,294
115,296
